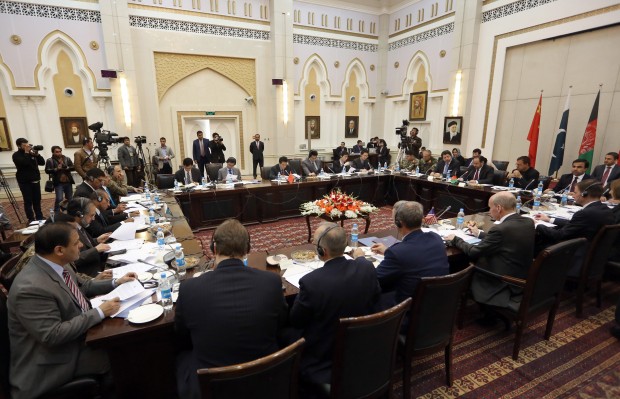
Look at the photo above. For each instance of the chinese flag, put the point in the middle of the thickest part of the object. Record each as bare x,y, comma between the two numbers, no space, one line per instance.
532,136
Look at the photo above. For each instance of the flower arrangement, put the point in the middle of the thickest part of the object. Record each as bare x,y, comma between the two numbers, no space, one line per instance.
336,204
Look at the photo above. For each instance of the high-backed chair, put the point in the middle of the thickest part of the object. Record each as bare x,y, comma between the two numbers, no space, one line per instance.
594,265
272,376
295,164
499,177
8,272
165,181
264,172
212,170
501,165
431,321
541,290
364,354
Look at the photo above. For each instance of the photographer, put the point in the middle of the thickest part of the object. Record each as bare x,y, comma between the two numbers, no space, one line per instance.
217,149
85,159
26,160
128,158
414,142
59,167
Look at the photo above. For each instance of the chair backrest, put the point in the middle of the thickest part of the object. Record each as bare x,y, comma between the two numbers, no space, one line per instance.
295,164
5,347
264,172
364,353
434,309
165,181
546,277
546,181
212,170
501,165
598,253
26,243
499,177
272,376
8,272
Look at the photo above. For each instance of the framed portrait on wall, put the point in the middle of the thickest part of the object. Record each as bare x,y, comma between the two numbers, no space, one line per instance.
417,106
313,127
5,137
351,127
74,130
453,129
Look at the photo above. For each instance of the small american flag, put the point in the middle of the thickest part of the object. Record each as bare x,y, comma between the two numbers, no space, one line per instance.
430,218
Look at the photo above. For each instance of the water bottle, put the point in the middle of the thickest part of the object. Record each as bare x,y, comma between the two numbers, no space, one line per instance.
229,178
354,234
245,260
160,238
147,192
156,197
322,173
540,188
165,289
460,219
417,170
176,185
511,183
536,201
151,216
179,257
279,177
448,175
204,182
385,166
518,204
379,167
397,167
52,214
564,199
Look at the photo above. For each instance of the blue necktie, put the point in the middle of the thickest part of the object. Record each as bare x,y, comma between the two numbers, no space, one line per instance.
230,171
110,196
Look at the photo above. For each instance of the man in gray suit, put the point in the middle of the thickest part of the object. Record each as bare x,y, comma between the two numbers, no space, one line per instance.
229,169
506,249
311,165
128,158
49,314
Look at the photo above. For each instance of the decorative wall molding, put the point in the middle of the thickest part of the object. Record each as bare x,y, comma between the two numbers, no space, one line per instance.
512,8
197,28
422,36
45,11
336,43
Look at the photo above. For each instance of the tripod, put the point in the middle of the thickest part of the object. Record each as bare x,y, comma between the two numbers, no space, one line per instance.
9,195
102,158
147,168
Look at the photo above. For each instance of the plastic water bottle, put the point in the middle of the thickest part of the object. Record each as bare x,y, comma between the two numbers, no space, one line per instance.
151,216
165,289
322,173
279,177
417,170
397,167
536,201
564,199
204,182
156,197
354,234
540,188
448,175
160,238
518,204
179,257
245,260
511,183
176,185
147,192
52,214
460,219
385,166
229,178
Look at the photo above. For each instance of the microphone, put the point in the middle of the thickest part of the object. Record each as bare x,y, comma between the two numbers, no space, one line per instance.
528,184
464,174
444,211
564,189
331,170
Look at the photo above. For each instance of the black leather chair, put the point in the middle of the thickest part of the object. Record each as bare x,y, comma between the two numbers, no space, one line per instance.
165,181
295,164
212,170
272,376
501,165
499,177
541,290
431,321
264,172
594,264
364,354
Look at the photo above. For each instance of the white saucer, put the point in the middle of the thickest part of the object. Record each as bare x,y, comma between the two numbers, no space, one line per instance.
144,276
145,313
157,275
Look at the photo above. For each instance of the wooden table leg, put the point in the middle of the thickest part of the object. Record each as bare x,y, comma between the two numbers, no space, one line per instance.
367,218
309,229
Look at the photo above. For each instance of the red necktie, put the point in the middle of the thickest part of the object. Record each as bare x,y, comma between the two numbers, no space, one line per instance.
572,185
477,174
606,175
84,304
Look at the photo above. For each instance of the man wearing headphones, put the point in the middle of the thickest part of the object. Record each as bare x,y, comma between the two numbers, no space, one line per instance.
103,222
93,181
419,254
584,223
230,315
341,288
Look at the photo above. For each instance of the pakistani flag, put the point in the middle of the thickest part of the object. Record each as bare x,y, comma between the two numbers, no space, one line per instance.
586,150
560,139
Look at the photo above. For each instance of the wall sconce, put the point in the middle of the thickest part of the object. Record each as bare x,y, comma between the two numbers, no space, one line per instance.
125,99
457,93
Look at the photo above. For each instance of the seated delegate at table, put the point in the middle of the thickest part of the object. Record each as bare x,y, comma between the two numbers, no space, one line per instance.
609,171
229,169
341,165
427,162
188,174
341,288
103,222
383,152
93,181
409,161
479,172
116,184
568,181
357,148
312,165
281,168
456,154
446,165
524,176
49,314
230,315
362,163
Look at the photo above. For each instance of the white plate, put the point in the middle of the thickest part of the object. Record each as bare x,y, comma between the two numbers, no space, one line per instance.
145,313
142,227
144,276
157,275
29,231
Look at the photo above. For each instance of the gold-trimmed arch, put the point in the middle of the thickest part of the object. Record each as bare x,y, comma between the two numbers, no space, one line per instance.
170,68
357,64
325,84
418,58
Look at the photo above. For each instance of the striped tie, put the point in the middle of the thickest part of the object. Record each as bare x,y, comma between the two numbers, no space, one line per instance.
84,304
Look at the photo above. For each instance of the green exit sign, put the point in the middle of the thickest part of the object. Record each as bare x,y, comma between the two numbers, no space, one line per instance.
210,112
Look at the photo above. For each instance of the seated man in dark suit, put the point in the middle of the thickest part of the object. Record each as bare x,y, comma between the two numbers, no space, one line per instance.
312,165
229,169
282,168
188,173
419,254
357,148
447,165
230,315
479,172
338,151
49,315
94,181
584,223
341,288
608,171
361,163
569,181
506,249
340,165
524,176
103,222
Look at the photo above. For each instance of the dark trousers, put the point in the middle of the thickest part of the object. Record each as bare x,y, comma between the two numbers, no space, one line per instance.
202,165
61,190
132,177
166,169
255,162
32,200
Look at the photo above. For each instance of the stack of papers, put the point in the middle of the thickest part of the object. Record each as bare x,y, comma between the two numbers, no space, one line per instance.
132,244
133,197
457,232
387,241
296,271
131,294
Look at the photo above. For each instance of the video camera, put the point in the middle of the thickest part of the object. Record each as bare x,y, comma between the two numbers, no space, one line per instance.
140,140
103,138
402,130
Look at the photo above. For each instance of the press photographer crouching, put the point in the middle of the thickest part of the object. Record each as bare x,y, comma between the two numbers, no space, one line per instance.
59,168
27,161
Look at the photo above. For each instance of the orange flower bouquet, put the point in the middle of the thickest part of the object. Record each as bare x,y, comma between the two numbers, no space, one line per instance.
336,204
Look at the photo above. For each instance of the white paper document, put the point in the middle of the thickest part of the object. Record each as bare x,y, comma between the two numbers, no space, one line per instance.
295,272
123,291
135,243
120,271
126,231
134,197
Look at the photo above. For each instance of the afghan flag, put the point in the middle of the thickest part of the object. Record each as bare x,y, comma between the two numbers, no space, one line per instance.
557,158
532,136
586,150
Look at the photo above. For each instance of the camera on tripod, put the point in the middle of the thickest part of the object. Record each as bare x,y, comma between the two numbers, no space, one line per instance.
402,130
139,140
103,138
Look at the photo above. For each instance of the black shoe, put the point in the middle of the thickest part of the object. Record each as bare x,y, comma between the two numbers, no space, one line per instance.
487,321
615,331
